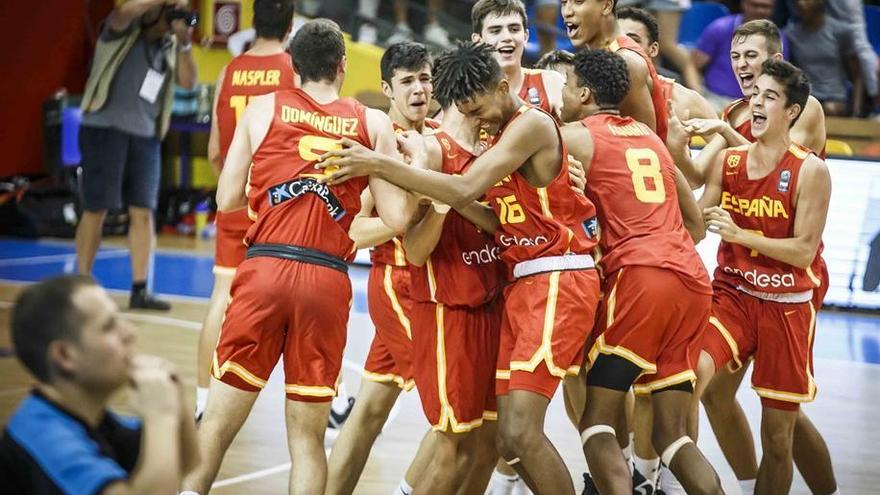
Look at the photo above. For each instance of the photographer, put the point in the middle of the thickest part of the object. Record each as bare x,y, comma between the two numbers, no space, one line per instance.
144,46
62,438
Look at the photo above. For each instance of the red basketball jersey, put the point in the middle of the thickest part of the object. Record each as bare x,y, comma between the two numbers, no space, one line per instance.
631,180
246,76
541,221
465,267
745,128
661,114
765,206
285,200
391,252
533,91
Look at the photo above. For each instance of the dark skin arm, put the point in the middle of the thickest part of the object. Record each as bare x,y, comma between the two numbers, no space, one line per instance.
638,103
530,134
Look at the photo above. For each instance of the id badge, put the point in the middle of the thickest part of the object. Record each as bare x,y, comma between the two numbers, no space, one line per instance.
152,85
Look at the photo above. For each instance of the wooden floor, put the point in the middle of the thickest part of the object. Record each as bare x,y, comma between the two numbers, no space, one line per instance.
846,410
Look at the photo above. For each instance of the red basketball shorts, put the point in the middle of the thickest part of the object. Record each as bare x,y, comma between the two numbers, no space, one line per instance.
390,356
230,250
547,318
653,318
285,308
778,335
454,353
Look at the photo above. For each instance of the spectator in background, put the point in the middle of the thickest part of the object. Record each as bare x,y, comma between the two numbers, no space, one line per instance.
712,54
126,113
62,439
824,48
546,13
433,32
668,14
852,13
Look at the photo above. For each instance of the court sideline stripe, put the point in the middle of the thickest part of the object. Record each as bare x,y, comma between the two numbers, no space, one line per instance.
54,258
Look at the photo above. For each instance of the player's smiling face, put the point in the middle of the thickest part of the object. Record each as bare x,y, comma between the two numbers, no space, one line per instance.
508,35
583,19
485,109
571,95
410,92
746,56
639,33
769,107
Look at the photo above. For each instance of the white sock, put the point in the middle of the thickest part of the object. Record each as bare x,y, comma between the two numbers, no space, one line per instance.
502,484
194,493
628,456
403,488
368,8
747,486
520,488
201,400
650,468
668,482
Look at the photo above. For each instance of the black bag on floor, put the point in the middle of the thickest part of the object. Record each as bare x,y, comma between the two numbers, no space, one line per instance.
41,208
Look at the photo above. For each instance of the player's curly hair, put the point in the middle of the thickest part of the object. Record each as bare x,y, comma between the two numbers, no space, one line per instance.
644,17
406,55
605,73
795,82
553,58
465,71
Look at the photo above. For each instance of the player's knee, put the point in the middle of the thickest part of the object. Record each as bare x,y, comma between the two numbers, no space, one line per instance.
515,435
716,399
777,443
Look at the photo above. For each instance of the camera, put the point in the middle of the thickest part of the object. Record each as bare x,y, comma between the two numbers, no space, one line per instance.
189,17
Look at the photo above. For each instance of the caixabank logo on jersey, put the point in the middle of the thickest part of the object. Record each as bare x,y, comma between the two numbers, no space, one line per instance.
296,188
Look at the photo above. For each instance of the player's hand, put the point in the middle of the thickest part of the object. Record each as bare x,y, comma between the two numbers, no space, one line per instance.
576,174
719,221
677,137
351,160
410,144
704,127
440,208
156,388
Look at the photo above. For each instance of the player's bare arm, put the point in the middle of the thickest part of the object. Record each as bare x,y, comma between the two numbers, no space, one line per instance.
809,130
813,195
712,192
249,134
394,205
528,135
580,147
638,103
691,214
214,137
714,126
422,237
366,230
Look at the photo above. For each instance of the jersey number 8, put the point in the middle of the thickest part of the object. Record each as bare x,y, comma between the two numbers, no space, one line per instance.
644,164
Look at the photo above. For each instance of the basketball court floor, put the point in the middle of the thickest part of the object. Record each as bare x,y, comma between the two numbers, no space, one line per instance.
847,369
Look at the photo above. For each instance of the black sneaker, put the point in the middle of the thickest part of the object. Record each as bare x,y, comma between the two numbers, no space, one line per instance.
145,300
336,419
641,485
589,486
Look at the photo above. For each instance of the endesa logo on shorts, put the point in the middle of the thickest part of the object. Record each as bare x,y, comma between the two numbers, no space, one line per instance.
488,254
762,280
296,188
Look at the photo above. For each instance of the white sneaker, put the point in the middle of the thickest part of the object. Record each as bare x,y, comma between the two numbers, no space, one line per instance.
437,35
368,34
401,33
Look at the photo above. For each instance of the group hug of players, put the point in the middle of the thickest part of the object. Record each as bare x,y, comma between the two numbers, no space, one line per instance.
541,232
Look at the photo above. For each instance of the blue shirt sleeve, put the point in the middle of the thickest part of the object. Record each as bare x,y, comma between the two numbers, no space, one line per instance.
710,39
64,451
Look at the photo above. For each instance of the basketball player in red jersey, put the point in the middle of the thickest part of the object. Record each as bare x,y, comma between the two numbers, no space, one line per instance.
592,23
406,81
289,296
769,200
264,68
503,24
544,231
646,254
755,42
457,277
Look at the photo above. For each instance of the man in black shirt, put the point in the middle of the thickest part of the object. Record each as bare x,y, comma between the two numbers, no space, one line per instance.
62,439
